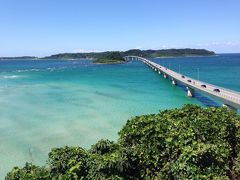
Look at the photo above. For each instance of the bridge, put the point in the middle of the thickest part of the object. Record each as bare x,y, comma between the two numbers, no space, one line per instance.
229,98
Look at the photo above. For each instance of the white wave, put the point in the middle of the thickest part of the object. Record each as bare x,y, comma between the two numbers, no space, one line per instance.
35,70
21,71
10,77
51,69
27,70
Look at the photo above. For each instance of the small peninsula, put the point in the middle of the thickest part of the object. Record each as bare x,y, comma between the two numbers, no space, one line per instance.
109,58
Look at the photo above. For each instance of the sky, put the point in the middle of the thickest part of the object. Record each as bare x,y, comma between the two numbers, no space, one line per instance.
45,27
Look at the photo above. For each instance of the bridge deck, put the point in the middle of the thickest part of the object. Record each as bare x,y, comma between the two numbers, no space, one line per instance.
227,96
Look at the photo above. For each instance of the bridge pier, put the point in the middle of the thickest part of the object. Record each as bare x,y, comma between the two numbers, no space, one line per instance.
190,92
165,76
173,82
159,72
229,107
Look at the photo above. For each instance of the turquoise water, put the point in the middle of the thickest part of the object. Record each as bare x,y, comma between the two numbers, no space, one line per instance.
47,104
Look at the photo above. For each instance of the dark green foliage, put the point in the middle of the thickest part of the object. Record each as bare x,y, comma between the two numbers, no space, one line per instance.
187,143
29,171
107,166
71,161
109,57
103,147
135,52
184,143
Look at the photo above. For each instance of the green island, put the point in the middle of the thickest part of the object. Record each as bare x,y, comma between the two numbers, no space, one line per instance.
117,56
111,57
185,143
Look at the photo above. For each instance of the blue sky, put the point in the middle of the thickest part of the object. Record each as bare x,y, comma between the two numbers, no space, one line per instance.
44,27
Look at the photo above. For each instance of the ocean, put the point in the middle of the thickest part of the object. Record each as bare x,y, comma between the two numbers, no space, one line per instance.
53,103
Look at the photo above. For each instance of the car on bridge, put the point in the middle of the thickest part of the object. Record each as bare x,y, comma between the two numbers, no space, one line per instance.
189,80
183,76
216,90
203,85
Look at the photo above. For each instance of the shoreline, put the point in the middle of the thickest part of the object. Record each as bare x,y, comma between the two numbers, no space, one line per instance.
110,62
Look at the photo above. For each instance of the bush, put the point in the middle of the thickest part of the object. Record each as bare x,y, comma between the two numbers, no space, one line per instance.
184,143
103,147
70,161
187,143
29,171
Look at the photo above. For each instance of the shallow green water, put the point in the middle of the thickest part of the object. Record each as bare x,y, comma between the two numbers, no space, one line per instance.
49,104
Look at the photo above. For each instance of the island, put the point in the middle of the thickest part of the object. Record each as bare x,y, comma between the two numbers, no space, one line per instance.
117,56
110,57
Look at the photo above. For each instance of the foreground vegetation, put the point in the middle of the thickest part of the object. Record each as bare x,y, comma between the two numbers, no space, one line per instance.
135,52
187,143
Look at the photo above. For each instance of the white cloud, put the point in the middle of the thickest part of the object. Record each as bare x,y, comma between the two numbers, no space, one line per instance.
138,47
85,51
227,43
221,47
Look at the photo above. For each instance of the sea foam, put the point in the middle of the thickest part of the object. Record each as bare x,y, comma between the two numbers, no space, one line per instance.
10,77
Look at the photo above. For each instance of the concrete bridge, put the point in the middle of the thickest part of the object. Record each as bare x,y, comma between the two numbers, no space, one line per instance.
229,98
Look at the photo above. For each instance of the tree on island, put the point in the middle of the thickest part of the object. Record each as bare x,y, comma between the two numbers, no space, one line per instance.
110,57
186,143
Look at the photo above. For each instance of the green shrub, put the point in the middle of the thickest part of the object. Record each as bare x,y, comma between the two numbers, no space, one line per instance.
103,147
70,161
184,143
29,171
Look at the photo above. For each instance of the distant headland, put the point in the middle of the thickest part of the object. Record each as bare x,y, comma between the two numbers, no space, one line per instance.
19,57
117,56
